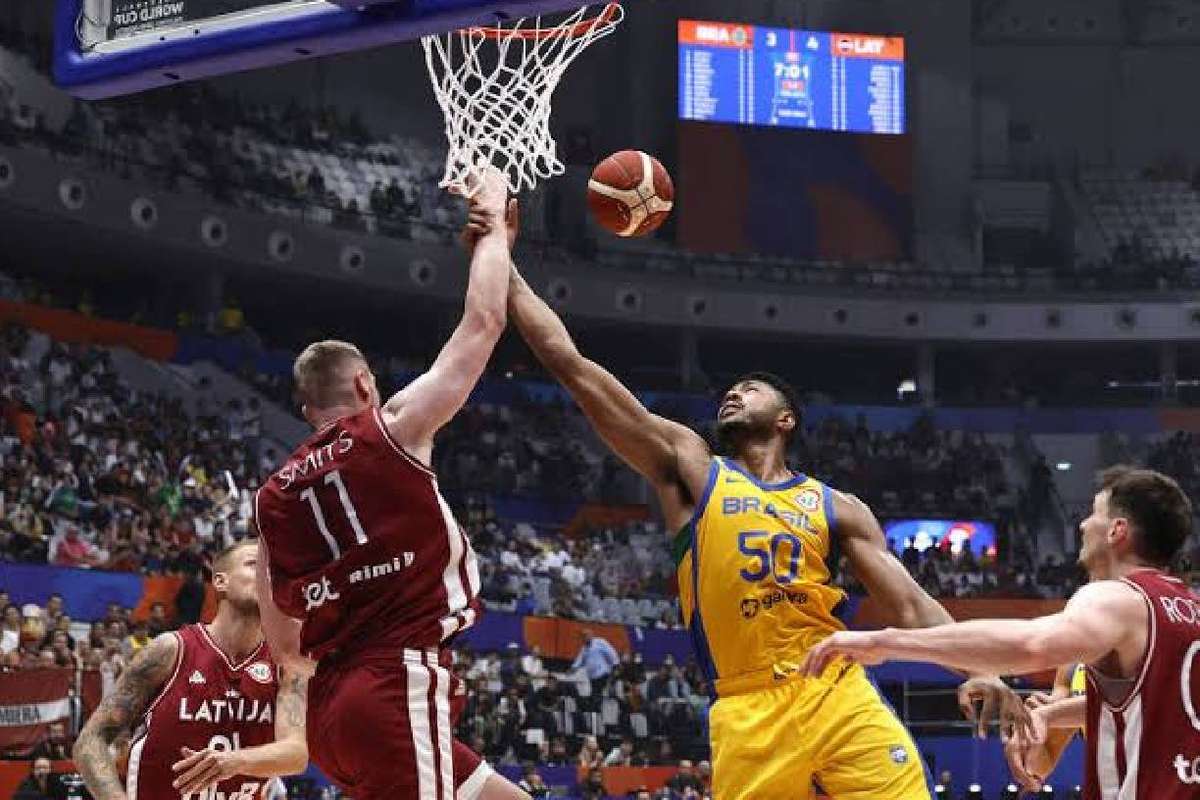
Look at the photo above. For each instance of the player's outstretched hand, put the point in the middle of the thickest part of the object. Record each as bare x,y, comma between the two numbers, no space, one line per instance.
864,647
995,700
197,771
487,189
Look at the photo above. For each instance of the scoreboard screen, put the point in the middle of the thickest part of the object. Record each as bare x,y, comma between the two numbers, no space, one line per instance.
752,75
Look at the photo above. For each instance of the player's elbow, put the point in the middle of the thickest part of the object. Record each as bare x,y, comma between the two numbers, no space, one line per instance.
1039,651
296,760
486,320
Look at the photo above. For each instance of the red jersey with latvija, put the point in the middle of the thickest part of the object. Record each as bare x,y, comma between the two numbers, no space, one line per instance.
362,546
207,702
1143,736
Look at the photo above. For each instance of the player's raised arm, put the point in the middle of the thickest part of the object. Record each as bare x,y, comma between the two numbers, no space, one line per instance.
196,771
665,452
119,713
419,410
886,579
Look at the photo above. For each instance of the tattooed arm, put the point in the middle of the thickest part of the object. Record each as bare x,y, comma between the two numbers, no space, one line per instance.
287,755
119,713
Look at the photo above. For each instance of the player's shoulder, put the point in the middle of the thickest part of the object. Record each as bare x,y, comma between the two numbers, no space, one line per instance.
1110,596
156,661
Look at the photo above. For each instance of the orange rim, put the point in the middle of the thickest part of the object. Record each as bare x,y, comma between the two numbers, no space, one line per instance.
573,31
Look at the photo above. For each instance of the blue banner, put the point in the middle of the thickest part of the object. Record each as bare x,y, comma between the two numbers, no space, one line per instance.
86,593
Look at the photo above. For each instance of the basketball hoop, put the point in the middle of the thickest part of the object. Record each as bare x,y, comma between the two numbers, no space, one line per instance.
495,86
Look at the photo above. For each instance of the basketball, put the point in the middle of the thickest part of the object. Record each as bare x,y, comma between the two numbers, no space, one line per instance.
630,193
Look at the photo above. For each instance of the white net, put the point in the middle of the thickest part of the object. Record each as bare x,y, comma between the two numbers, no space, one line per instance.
495,87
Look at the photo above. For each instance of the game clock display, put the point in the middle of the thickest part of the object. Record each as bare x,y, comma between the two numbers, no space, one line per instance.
753,75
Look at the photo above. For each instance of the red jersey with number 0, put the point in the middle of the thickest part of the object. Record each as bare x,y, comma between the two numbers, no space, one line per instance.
207,702
1147,747
362,546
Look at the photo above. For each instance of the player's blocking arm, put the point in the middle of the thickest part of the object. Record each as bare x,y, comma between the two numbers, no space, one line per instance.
287,755
886,579
118,714
419,410
650,444
1095,622
281,631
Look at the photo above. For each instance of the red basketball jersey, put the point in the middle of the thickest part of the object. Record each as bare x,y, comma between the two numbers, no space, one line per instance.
362,546
207,702
1148,747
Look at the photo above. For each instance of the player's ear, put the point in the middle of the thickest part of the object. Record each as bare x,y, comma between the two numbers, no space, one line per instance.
220,581
787,420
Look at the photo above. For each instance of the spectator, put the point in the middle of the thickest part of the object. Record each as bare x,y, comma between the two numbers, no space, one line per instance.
55,746
590,756
41,784
533,784
10,629
531,663
70,549
593,787
597,658
157,623
621,755
685,779
189,602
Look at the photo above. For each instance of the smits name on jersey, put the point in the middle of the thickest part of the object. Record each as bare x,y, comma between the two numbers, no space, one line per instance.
315,460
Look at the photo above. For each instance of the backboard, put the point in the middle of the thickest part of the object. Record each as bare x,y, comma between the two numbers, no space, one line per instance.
105,48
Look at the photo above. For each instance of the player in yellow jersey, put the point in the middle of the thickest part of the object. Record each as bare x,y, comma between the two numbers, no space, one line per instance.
754,545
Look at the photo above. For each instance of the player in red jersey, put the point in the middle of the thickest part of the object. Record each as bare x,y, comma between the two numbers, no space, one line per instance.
1135,627
363,568
202,711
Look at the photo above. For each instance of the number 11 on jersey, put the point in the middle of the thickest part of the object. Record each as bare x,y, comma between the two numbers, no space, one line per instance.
334,478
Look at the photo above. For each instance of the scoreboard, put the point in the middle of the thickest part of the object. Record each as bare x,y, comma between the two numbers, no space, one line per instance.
753,75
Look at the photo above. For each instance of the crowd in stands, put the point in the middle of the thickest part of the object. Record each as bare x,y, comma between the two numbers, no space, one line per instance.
599,711
97,475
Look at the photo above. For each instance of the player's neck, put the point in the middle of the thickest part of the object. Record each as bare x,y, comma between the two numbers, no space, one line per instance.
327,416
238,635
764,460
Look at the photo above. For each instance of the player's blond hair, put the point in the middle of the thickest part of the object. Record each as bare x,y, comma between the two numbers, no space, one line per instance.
323,373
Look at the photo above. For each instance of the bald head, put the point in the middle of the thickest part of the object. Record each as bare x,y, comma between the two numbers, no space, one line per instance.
325,375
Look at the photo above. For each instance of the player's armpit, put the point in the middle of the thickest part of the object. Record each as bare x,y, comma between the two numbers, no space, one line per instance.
663,451
887,581
119,713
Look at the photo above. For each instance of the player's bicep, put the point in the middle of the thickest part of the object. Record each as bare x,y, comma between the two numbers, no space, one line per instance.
650,444
135,688
421,409
1096,621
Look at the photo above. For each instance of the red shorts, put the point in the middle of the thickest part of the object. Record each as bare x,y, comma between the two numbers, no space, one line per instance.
382,728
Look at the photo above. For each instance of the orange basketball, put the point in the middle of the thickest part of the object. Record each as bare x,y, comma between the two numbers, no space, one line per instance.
630,193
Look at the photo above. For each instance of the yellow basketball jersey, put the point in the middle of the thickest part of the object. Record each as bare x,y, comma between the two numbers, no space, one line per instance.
754,576
1079,680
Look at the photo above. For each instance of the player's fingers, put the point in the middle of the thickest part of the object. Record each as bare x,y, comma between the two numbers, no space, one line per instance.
188,761
966,702
199,771
986,713
202,782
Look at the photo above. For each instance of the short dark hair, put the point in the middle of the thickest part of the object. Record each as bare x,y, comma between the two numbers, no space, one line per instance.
1160,512
785,390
